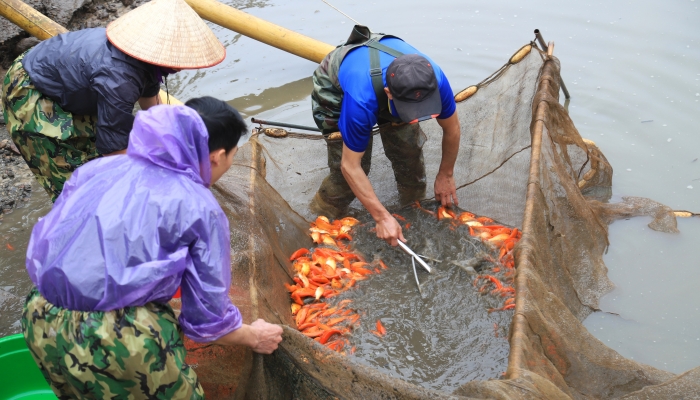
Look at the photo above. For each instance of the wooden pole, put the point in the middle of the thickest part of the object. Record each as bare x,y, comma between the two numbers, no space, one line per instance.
540,39
29,19
42,27
261,30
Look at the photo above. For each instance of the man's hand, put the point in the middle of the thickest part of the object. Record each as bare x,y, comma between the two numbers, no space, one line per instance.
445,191
389,230
260,336
387,227
268,336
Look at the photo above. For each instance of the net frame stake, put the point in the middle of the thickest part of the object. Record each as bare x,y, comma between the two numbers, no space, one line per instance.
540,40
284,125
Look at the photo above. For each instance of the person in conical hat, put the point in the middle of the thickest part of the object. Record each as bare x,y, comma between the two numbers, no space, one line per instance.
69,99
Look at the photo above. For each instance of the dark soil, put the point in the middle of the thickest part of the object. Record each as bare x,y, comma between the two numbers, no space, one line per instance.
15,176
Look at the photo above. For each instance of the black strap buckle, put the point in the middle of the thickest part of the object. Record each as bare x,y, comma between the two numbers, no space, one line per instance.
375,71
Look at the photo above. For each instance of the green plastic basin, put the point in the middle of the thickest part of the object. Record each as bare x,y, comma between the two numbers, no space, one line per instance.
20,378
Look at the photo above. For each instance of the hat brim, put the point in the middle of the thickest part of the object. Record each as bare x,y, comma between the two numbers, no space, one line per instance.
412,112
177,38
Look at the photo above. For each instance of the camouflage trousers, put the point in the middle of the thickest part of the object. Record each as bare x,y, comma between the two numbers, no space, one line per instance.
130,353
52,141
403,147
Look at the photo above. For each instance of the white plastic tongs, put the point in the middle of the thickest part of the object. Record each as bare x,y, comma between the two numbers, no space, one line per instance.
415,257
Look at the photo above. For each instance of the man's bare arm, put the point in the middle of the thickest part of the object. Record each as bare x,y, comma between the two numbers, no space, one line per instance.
445,191
387,227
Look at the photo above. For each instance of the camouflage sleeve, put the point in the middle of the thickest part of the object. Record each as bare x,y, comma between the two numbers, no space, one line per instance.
326,96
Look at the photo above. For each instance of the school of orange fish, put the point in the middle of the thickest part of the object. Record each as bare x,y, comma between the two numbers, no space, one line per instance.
502,238
324,272
332,268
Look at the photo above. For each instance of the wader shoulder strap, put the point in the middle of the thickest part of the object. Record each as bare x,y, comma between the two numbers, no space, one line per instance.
376,73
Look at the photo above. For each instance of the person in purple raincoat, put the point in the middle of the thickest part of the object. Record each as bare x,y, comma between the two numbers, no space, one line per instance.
126,232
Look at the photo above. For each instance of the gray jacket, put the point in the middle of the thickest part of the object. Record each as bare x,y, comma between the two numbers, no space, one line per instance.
86,75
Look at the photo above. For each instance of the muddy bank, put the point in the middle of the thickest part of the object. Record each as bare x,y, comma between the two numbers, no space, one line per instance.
15,176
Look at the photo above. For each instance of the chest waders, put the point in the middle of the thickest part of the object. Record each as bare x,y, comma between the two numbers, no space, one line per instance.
402,145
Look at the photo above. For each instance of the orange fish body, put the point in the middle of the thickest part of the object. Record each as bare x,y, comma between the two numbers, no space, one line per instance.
380,328
327,335
349,221
344,236
443,213
298,254
301,316
327,240
400,218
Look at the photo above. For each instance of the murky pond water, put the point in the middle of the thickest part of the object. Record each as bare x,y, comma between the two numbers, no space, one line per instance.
633,72
443,335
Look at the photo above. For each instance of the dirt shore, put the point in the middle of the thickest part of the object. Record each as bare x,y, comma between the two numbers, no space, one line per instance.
15,176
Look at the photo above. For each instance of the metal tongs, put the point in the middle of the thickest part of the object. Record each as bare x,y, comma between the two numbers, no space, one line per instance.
415,257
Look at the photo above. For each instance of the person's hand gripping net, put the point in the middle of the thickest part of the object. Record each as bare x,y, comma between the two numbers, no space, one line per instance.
445,191
267,336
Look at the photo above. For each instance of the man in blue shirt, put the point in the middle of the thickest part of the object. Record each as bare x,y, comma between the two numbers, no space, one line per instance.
377,79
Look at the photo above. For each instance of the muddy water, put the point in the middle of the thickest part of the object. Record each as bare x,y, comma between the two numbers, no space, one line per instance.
443,335
14,237
632,70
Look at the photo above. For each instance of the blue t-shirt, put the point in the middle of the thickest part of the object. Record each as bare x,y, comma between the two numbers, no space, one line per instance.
359,109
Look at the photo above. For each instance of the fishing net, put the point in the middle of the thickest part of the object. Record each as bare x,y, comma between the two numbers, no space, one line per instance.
521,162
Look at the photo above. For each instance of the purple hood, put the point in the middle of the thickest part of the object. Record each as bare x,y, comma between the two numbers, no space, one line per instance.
173,138
130,229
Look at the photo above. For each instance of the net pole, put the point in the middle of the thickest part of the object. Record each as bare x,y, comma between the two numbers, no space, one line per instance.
540,40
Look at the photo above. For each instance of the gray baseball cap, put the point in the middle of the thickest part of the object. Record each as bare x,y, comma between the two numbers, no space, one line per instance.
414,88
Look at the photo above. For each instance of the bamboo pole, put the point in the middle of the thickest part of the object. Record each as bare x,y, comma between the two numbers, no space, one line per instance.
261,30
42,27
29,19
540,39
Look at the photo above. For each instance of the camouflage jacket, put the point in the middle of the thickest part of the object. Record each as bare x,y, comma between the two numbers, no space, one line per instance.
327,94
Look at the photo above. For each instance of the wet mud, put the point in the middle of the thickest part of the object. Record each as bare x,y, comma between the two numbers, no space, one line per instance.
15,177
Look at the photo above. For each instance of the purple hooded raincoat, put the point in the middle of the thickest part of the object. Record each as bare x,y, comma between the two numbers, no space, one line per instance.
130,229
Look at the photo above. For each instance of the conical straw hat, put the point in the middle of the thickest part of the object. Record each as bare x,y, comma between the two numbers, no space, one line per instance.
168,33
